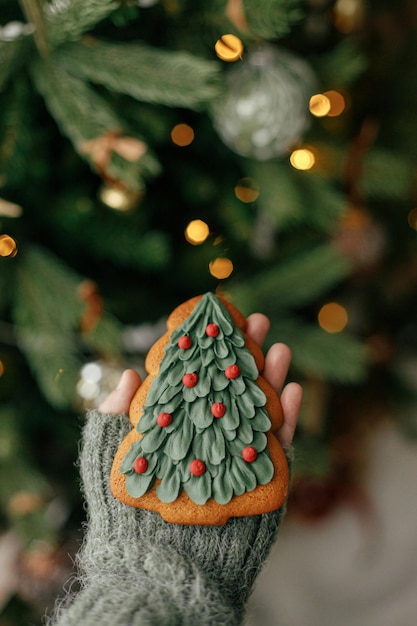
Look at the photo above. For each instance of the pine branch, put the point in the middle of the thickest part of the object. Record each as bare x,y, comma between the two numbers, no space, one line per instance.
46,314
68,20
271,19
15,132
12,57
287,196
386,175
105,338
23,478
295,282
78,110
342,66
338,358
34,13
86,118
145,73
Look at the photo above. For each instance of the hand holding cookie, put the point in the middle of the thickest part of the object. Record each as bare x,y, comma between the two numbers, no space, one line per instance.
204,445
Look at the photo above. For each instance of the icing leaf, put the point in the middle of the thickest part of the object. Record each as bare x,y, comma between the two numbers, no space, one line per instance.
138,484
222,488
207,357
220,381
236,479
245,405
189,394
220,349
153,440
257,395
202,388
263,468
175,373
247,475
261,421
231,419
246,432
169,488
259,441
131,455
237,338
218,453
198,488
213,444
167,395
178,443
248,365
237,386
199,412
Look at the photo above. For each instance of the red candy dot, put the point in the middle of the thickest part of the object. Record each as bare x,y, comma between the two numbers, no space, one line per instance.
249,454
197,467
164,419
233,371
190,380
212,330
218,409
185,342
140,465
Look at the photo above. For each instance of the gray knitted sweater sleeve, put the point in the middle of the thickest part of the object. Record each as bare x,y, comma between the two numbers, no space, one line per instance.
137,570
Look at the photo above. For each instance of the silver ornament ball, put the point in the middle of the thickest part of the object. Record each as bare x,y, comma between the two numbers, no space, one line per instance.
265,108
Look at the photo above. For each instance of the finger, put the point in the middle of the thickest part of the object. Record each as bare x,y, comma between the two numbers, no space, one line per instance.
119,399
277,362
257,327
291,399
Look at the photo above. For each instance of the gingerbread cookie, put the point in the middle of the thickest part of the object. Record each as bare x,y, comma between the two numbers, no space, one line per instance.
201,449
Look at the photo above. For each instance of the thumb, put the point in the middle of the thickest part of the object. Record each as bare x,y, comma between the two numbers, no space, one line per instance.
120,398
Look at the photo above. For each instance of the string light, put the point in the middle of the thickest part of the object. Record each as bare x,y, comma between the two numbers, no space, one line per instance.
221,267
196,232
229,48
302,159
333,317
182,135
319,105
8,246
247,190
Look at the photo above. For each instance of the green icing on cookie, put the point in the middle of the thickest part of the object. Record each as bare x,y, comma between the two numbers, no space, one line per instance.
194,433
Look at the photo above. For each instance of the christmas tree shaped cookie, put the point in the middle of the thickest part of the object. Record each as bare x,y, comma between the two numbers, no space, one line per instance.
202,449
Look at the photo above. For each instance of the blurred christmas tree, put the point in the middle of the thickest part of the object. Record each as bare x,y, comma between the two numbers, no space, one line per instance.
151,151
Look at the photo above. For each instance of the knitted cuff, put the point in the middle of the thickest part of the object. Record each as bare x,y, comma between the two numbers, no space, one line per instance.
161,593
128,548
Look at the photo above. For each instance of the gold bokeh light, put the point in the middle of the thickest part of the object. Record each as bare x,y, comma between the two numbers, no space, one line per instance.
182,135
337,103
8,246
229,48
119,198
333,317
412,218
302,159
221,267
319,105
197,232
247,190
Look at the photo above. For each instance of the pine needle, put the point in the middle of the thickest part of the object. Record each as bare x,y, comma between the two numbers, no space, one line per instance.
148,74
